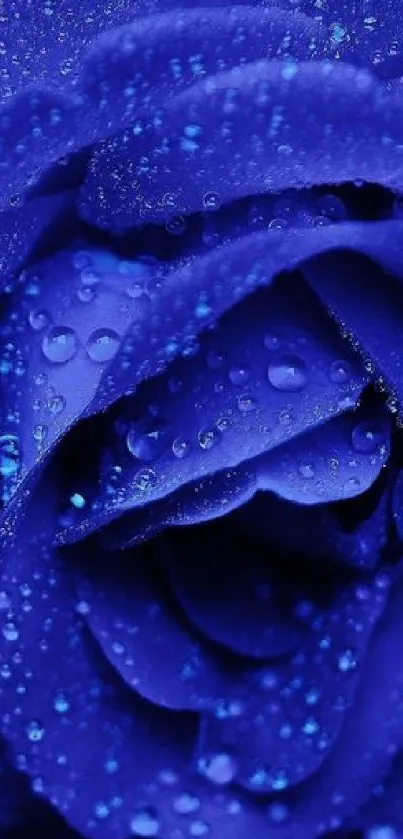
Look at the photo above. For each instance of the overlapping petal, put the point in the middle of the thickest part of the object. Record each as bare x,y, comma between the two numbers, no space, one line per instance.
94,92
245,132
233,401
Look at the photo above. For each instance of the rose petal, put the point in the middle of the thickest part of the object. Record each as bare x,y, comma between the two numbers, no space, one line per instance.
289,725
318,532
334,473
243,132
77,728
144,635
64,324
89,94
23,225
368,306
236,598
231,402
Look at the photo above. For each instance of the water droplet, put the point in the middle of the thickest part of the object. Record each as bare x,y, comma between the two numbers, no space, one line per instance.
88,277
208,438
239,374
145,822
340,372
60,344
271,342
10,631
180,448
352,485
39,319
288,373
86,294
215,360
175,384
34,731
285,417
103,344
176,225
9,455
211,200
147,439
306,470
347,661
60,703
186,803
246,403
280,780
77,500
145,480
198,828
135,290
56,404
278,812
332,207
220,768
382,831
101,810
366,437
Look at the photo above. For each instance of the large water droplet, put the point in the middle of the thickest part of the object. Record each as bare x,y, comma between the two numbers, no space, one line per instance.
60,344
147,439
103,344
9,455
366,437
288,373
145,822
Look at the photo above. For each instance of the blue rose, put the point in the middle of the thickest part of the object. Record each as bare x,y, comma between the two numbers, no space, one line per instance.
201,598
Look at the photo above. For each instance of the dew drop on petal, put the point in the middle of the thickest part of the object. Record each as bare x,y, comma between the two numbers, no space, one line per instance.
60,344
145,822
34,731
219,768
208,438
145,480
60,703
86,294
211,201
102,345
347,661
146,441
288,373
39,319
340,372
186,803
9,455
239,374
366,437
180,448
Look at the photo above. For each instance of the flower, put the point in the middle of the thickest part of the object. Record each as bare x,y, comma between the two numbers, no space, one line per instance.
201,591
